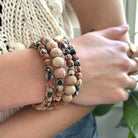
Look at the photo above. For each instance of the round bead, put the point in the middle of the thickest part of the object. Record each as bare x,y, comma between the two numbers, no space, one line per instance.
56,52
70,89
49,94
32,45
77,88
63,46
49,76
37,44
51,45
72,51
60,81
77,63
56,98
40,47
59,88
67,98
50,89
77,69
48,69
78,75
43,51
59,73
58,62
75,93
44,40
68,57
70,46
47,62
54,103
78,83
71,71
66,51
45,56
75,57
70,63
71,80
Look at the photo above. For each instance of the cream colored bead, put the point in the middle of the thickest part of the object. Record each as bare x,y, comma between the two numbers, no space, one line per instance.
56,52
67,98
59,73
51,45
70,89
45,40
58,62
71,80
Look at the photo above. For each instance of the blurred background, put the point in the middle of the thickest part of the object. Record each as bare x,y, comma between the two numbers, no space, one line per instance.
107,124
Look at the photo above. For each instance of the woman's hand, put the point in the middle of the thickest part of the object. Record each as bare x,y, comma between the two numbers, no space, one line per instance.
105,67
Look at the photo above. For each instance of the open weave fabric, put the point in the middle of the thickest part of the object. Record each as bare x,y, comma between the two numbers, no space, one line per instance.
24,21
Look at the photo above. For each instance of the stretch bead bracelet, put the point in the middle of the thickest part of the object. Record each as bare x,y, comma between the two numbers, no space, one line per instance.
60,88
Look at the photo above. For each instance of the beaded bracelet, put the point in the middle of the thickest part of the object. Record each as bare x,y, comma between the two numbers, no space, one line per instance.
60,88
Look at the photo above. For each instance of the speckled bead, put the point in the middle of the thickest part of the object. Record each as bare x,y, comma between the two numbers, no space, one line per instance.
77,63
70,89
60,81
50,89
32,45
54,103
77,69
66,51
40,47
71,80
44,40
49,94
67,98
55,52
51,45
71,71
59,88
48,69
58,62
72,51
68,57
78,83
63,46
56,98
75,93
47,62
37,44
75,57
43,51
49,76
78,75
59,73
70,63
45,56
77,88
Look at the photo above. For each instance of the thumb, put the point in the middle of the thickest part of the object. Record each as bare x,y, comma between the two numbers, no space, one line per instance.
114,33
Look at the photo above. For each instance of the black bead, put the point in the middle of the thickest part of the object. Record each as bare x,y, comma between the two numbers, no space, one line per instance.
48,69
77,88
49,94
72,51
77,63
67,42
62,46
60,82
49,75
38,43
67,51
75,94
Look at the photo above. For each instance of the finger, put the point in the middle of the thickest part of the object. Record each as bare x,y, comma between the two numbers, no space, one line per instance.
133,66
131,83
115,33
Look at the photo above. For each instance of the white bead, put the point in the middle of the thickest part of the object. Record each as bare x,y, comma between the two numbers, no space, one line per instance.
58,62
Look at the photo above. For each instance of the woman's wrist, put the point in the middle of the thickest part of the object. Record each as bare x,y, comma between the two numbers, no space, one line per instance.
22,79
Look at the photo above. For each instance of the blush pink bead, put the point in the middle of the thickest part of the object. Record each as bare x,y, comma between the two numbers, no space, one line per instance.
58,62
71,80
69,90
59,73
51,45
55,52
67,98
44,40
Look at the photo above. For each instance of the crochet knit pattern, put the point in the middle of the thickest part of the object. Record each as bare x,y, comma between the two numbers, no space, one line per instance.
24,21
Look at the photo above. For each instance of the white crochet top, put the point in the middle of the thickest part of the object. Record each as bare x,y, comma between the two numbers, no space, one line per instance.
24,21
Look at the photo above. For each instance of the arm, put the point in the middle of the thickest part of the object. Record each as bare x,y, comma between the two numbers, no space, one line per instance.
99,14
29,123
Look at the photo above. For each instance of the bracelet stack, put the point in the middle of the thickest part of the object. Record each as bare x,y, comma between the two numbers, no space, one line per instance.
63,80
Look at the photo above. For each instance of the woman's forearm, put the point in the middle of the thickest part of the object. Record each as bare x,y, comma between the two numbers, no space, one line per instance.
39,124
99,15
22,79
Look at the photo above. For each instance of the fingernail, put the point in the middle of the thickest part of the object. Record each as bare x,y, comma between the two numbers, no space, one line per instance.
124,27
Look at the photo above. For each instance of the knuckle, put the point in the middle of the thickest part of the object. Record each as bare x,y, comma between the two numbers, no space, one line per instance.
123,47
119,96
124,80
125,63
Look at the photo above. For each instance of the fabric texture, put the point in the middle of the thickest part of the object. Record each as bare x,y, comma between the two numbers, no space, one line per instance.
24,21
